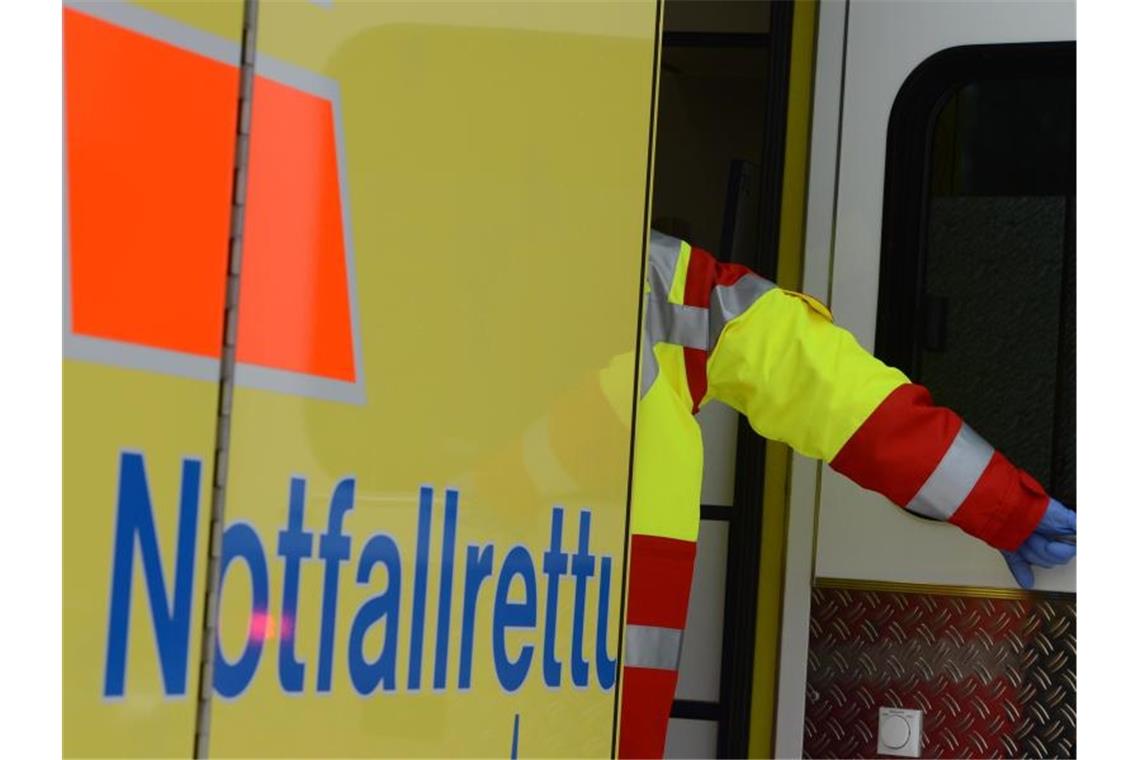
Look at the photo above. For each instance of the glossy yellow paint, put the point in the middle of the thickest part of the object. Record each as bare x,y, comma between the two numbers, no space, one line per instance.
495,167
220,17
107,411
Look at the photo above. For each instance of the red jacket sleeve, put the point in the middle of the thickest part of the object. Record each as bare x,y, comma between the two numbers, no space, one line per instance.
778,358
925,459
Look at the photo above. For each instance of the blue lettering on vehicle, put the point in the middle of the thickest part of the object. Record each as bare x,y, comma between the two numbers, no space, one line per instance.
378,567
134,526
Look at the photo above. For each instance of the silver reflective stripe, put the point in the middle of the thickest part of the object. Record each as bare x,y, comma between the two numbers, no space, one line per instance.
726,302
664,251
648,646
675,323
954,477
667,322
648,364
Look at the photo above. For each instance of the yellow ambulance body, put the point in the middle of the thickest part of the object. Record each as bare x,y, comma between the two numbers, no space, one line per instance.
438,214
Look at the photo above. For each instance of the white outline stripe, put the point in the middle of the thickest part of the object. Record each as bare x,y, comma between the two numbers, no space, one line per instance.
131,356
298,384
162,28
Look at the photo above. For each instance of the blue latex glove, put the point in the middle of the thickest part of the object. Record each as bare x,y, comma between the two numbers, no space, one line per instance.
1042,547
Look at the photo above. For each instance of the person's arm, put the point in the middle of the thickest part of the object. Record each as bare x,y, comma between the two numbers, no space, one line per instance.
777,358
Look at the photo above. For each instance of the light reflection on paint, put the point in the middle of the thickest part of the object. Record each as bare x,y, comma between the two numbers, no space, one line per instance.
263,626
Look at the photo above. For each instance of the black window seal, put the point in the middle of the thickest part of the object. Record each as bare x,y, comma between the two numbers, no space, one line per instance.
906,185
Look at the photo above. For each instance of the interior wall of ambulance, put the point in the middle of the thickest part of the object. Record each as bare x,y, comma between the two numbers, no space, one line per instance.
883,609
991,669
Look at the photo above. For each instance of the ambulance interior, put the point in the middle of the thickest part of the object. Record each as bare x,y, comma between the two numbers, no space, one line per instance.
792,646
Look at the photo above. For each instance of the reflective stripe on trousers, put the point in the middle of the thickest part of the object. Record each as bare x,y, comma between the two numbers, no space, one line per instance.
651,646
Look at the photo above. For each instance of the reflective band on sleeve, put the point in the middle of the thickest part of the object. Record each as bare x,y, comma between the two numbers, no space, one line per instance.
648,365
664,251
727,302
650,646
673,323
954,477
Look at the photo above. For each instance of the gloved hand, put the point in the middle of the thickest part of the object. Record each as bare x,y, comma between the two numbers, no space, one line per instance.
1042,547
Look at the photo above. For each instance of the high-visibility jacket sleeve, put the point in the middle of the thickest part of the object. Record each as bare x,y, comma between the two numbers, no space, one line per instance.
800,379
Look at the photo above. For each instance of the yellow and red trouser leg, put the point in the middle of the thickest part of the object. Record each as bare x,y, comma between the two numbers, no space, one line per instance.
660,575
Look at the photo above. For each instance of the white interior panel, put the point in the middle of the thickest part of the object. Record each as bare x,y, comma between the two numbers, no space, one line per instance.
699,677
886,42
860,534
863,536
690,738
718,430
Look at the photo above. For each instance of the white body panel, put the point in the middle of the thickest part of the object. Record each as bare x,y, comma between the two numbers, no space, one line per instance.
865,51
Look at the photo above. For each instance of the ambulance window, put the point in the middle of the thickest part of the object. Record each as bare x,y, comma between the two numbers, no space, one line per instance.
977,288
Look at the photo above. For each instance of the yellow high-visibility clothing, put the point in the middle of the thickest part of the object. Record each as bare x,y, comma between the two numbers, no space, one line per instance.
719,331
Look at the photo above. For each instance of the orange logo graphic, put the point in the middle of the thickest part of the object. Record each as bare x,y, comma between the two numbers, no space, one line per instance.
151,128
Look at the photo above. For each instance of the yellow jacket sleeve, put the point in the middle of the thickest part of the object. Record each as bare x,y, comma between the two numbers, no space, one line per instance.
776,357
797,377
